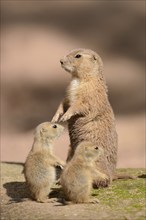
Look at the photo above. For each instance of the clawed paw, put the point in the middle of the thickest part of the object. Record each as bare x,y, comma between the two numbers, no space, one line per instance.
56,117
47,200
94,201
65,117
60,166
52,200
101,183
42,200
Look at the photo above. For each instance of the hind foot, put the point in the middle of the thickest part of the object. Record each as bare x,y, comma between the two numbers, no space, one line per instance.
94,201
42,200
101,180
47,200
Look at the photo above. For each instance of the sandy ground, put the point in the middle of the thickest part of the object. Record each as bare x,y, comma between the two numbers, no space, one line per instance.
123,200
131,132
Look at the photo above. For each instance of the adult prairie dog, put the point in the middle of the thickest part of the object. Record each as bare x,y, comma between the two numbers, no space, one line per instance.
87,109
39,168
77,176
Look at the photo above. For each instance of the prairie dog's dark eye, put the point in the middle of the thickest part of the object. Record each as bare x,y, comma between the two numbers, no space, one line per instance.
96,148
54,126
78,56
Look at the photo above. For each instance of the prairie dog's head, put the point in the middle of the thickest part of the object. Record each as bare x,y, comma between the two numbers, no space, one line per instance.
48,131
90,151
82,61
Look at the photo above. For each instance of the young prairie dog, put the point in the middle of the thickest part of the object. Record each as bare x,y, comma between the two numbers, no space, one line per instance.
39,168
77,176
87,110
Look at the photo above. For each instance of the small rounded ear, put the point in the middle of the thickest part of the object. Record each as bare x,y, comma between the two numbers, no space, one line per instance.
86,148
42,130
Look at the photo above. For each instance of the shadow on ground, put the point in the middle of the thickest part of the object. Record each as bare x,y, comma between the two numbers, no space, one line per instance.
17,191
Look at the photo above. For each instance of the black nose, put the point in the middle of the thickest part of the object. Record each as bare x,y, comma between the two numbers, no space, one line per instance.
96,148
61,61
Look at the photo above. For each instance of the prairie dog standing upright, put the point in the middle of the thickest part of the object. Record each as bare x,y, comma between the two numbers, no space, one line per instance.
39,168
77,176
87,109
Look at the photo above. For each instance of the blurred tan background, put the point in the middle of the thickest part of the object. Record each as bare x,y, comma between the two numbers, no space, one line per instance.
36,34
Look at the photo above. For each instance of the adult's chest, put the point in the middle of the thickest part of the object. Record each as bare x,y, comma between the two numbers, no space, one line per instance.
73,91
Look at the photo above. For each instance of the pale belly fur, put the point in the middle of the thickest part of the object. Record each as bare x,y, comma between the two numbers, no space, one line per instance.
73,90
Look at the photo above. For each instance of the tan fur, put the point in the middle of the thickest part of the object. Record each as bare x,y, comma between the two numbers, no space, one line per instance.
87,109
77,176
39,169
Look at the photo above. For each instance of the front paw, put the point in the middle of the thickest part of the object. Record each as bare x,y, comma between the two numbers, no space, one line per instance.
94,200
101,182
60,165
65,117
56,117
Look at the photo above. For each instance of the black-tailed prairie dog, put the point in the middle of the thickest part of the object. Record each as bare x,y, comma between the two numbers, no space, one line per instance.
87,109
39,168
77,176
